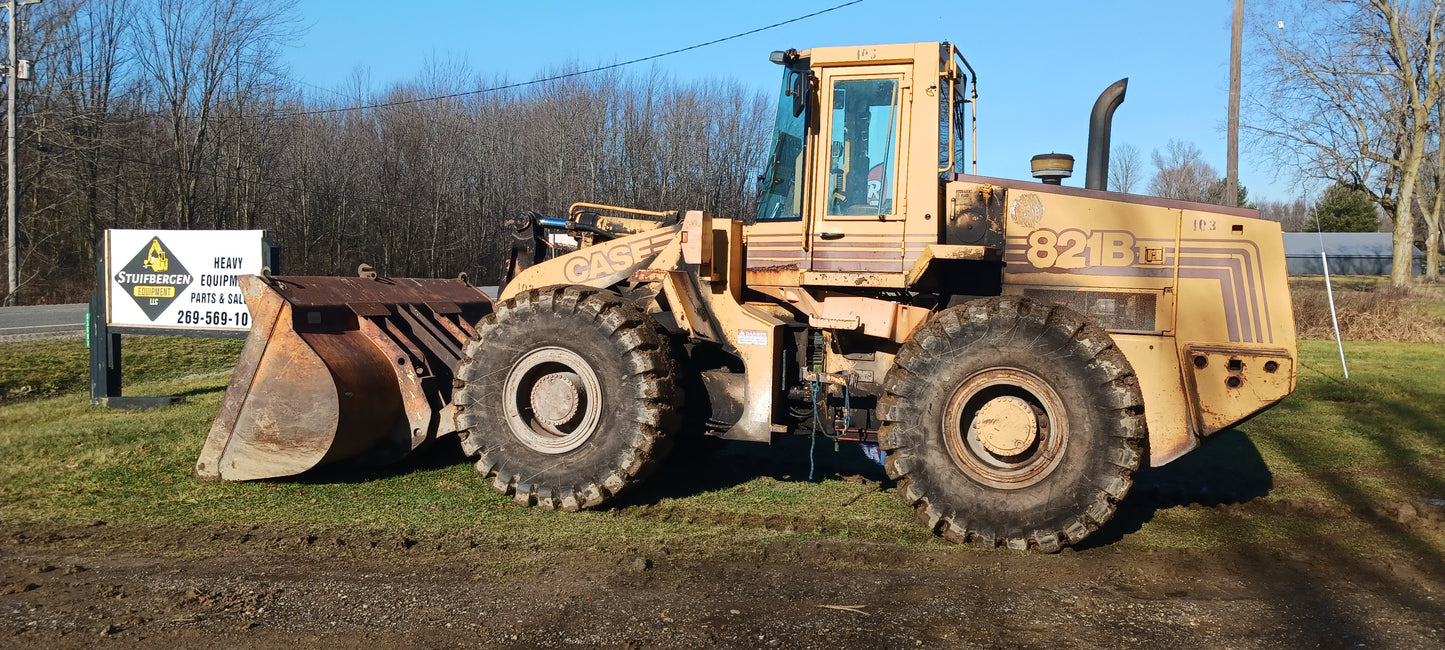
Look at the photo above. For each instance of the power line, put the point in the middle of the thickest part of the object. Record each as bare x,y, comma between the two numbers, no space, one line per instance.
429,119
568,75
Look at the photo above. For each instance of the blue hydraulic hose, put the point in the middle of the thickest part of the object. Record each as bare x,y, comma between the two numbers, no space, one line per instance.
813,437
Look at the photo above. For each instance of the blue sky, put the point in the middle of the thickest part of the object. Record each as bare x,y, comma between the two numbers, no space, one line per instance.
1041,64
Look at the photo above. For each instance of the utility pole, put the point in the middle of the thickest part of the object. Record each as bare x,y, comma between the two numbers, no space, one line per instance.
1236,43
11,76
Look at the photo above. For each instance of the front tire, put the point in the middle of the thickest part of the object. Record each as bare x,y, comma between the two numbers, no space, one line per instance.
567,396
1012,422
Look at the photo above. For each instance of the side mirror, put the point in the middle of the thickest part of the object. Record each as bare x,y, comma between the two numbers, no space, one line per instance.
799,91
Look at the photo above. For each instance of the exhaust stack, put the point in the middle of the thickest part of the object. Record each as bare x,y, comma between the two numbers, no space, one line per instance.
1096,176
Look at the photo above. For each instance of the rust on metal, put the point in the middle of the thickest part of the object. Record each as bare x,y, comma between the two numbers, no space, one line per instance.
340,369
786,275
649,275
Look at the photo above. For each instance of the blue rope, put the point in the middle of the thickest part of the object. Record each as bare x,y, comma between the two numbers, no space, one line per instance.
813,437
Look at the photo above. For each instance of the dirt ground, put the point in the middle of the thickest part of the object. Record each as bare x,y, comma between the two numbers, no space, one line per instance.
249,587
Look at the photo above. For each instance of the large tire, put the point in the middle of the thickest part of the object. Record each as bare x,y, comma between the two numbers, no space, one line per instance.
566,396
1012,422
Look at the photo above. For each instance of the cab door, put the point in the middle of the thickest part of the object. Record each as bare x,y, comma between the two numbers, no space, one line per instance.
861,198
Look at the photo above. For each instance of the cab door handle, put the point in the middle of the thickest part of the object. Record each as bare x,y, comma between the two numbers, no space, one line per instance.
830,235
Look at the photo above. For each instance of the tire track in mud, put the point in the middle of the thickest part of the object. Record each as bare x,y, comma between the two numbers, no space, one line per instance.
240,585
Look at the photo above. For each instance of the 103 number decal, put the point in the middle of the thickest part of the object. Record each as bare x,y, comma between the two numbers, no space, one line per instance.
1076,249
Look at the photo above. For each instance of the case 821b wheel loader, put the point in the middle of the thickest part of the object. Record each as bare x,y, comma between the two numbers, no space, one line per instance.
1018,349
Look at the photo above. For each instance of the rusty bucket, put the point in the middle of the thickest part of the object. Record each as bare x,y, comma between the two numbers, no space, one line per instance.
340,369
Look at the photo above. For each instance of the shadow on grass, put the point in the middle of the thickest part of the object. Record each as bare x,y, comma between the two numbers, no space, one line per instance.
1386,406
205,390
703,464
697,465
440,454
1227,469
185,395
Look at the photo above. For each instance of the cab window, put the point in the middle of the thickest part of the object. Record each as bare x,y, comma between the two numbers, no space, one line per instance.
863,141
958,138
780,197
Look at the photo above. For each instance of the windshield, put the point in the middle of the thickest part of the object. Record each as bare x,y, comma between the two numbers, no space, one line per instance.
780,197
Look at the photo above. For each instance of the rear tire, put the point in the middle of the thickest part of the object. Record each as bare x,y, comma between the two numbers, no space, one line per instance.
567,396
1012,422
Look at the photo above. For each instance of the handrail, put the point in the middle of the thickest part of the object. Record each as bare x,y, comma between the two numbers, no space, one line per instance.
971,79
973,100
576,207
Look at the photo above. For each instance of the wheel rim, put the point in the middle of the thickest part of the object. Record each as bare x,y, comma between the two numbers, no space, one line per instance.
552,400
1005,428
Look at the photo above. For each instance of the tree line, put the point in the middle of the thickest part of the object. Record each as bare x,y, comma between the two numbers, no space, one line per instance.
174,114
1180,171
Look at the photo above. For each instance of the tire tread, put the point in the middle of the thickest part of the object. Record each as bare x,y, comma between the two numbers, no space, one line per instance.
653,392
1011,323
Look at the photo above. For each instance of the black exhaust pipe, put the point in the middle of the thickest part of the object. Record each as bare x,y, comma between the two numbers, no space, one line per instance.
1096,176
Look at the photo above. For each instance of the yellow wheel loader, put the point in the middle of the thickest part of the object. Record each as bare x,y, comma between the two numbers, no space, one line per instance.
1016,349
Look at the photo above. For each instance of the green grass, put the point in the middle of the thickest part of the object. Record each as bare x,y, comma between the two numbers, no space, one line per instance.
1317,467
1432,300
59,366
70,463
1328,461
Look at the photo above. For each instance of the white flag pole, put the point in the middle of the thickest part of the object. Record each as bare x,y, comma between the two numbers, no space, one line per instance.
1330,292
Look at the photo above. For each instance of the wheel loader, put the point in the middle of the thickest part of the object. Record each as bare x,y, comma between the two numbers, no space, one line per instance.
1016,349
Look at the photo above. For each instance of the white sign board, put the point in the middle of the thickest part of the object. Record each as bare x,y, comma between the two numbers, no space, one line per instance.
180,279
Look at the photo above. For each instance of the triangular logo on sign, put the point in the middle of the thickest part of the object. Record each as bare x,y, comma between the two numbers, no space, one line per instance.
154,278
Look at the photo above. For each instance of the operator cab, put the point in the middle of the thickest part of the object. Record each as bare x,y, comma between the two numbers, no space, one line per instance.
863,142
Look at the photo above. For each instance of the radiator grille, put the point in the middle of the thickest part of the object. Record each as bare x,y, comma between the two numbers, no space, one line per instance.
1120,311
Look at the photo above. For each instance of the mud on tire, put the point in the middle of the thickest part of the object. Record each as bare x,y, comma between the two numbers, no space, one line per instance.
566,396
1012,422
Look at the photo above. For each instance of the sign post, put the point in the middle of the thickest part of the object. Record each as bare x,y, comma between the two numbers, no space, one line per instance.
176,282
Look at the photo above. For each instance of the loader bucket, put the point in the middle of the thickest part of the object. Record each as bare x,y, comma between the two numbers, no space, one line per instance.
339,369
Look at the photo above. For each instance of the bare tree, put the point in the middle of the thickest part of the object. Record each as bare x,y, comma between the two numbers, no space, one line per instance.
1348,93
168,113
1291,215
1432,185
1126,169
197,51
88,72
1181,173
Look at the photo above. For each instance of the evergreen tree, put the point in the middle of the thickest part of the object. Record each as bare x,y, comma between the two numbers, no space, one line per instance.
1343,208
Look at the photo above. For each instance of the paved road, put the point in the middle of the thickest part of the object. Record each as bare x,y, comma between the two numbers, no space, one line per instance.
42,321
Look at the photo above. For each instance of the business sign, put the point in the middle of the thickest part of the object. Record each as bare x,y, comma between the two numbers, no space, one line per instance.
180,279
